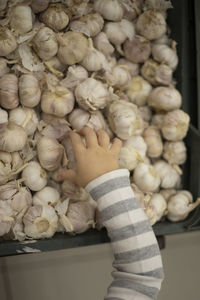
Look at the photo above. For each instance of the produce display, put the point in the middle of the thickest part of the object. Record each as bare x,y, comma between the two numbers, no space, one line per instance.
106,64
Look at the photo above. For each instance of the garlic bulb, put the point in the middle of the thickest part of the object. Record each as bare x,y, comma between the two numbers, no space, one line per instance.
145,112
79,217
8,190
7,41
151,24
138,90
146,177
165,54
40,221
29,90
46,196
118,32
75,75
175,125
170,177
55,17
180,205
92,94
132,68
109,9
94,60
50,153
124,119
10,165
153,141
25,117
59,102
167,193
129,158
12,137
22,199
175,152
138,143
9,91
3,67
102,43
119,77
159,205
137,50
45,43
156,74
39,5
73,47
90,24
3,116
165,98
157,120
78,118
34,176
21,19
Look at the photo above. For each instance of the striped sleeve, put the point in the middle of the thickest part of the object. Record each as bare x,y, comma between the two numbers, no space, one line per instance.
137,261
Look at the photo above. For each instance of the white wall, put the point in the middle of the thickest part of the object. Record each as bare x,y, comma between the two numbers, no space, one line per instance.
84,273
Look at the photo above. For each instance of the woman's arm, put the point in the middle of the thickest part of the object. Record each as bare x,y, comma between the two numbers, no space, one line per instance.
138,264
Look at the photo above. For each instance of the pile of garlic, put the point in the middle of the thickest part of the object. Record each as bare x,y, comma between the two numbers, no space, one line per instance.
106,64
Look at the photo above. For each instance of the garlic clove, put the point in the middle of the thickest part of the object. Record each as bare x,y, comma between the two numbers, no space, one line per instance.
110,9
34,176
55,17
102,43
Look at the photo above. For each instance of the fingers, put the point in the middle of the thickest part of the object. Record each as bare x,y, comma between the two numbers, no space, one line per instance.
116,146
103,139
77,143
67,174
90,137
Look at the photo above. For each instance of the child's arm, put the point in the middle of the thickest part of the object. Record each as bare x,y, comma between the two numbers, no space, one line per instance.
138,264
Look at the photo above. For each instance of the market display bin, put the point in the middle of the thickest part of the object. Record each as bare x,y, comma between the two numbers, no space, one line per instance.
181,20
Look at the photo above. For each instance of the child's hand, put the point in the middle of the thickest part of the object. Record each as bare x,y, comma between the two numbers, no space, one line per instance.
94,159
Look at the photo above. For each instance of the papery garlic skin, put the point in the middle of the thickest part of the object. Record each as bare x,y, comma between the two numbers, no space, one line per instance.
102,43
10,165
138,143
9,91
153,140
50,153
25,117
78,118
137,50
138,90
94,60
90,24
55,66
110,9
128,158
21,200
7,41
151,24
45,43
139,195
119,77
92,94
46,196
124,119
165,54
70,153
118,32
165,98
159,204
55,17
12,137
145,112
73,46
132,67
39,5
156,74
175,125
59,102
40,221
163,40
34,176
169,176
3,116
29,90
5,224
21,19
75,75
175,152
3,66
146,177
180,205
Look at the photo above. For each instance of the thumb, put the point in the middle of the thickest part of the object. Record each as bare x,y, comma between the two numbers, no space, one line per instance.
68,174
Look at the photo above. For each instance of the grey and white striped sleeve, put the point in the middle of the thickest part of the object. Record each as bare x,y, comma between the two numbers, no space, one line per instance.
137,261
